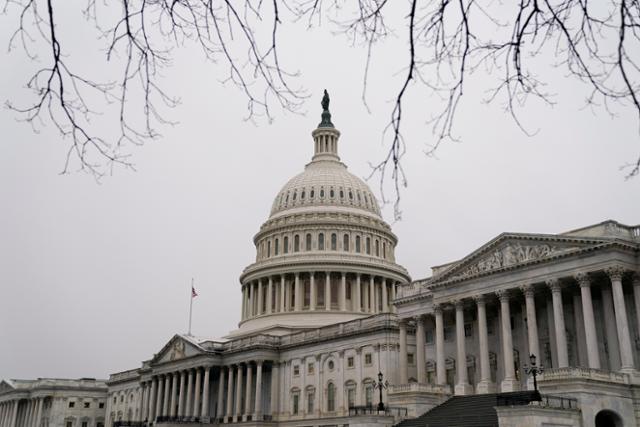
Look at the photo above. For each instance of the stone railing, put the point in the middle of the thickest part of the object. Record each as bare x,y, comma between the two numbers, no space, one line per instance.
255,340
416,388
584,373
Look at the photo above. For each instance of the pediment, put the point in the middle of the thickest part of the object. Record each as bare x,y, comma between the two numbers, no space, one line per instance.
512,250
177,348
6,387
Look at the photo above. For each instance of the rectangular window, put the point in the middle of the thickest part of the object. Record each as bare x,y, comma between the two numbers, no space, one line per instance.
310,399
285,245
358,244
101,405
369,395
351,397
448,333
350,362
367,359
85,424
468,330
296,398
69,423
429,336
430,377
321,242
87,405
72,404
334,242
99,425
410,358
310,368
296,370
277,246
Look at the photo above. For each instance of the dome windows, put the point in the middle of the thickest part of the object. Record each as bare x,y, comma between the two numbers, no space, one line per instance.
341,193
322,192
296,243
308,242
276,246
358,244
302,195
350,194
368,246
268,248
285,245
295,193
377,247
345,242
321,242
334,242
332,193
312,193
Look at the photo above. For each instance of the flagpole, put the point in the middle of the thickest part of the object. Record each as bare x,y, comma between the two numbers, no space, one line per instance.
190,306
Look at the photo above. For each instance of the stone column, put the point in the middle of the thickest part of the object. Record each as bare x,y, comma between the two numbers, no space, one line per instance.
297,297
385,297
558,318
205,393
358,307
270,295
373,301
174,392
181,396
258,402
404,377
509,383
462,385
343,292
441,372
485,385
532,321
166,392
593,355
14,414
610,329
420,350
244,302
229,412
283,301
248,392
260,298
219,408
188,406
275,371
312,298
327,291
39,413
238,413
196,394
249,302
636,296
151,414
622,322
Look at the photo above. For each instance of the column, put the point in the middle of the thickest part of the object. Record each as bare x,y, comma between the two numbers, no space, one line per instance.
343,292
610,329
462,386
181,397
188,411
393,295
275,375
441,372
532,322
196,394
420,350
161,391
244,303
622,322
229,412
485,385
249,392
404,375
174,392
258,407
558,319
270,295
14,414
358,304
250,297
205,393
238,410
166,393
313,298
385,297
297,294
509,383
578,321
143,400
372,299
283,306
151,414
636,296
219,408
327,291
39,412
260,298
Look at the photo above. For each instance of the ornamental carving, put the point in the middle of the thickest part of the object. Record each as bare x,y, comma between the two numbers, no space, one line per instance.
177,350
509,255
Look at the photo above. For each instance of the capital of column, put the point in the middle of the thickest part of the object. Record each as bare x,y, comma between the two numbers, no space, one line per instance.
615,272
636,278
418,318
527,289
503,295
458,304
582,279
480,299
437,308
554,285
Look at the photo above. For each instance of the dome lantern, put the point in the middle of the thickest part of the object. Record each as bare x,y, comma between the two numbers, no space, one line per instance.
325,137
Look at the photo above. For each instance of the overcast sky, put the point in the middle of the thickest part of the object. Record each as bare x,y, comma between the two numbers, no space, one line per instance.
94,278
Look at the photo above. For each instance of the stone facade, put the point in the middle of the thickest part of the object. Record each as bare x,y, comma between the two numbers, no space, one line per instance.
50,402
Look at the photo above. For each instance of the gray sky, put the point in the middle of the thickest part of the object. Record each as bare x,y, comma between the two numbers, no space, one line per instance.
94,278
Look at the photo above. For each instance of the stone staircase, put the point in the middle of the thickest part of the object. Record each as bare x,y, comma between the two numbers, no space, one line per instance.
476,410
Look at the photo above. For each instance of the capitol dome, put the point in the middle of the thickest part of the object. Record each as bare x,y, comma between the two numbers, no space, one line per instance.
324,255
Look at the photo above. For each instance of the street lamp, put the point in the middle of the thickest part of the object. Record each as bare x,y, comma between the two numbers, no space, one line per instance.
533,370
380,386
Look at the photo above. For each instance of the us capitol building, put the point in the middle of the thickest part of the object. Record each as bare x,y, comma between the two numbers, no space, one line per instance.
330,322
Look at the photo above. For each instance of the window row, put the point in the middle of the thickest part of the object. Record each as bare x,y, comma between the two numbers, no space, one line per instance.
344,195
330,403
330,241
368,359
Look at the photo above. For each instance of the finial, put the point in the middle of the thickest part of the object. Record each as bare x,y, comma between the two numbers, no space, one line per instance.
326,115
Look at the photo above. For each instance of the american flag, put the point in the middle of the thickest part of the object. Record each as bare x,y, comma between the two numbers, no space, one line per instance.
193,292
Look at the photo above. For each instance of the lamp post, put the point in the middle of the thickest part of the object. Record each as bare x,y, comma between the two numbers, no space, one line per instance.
380,386
533,370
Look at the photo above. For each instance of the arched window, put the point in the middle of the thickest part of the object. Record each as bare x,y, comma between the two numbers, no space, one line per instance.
276,247
350,388
312,193
358,244
368,246
285,245
334,242
321,192
332,193
295,401
331,397
295,193
308,242
350,195
384,250
368,393
377,247
345,242
296,243
302,195
311,397
321,242
341,193
269,248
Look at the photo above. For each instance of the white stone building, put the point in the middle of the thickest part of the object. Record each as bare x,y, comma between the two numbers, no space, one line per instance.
325,309
52,402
